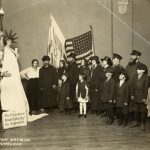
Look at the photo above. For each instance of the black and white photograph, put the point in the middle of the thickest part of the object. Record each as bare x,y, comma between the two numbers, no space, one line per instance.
74,74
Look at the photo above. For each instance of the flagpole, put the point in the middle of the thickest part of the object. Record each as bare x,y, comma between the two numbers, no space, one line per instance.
92,39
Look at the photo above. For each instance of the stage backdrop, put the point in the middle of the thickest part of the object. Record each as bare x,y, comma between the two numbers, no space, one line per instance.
30,20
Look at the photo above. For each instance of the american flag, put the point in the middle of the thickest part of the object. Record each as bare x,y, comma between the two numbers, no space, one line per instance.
81,46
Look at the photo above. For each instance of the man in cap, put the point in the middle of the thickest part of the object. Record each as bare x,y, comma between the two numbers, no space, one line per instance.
139,92
117,66
47,83
73,74
96,84
132,65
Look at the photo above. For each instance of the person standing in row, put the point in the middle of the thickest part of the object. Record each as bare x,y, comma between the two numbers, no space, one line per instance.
84,69
47,82
139,92
122,98
96,84
108,95
117,66
106,63
31,74
132,72
65,101
73,74
82,95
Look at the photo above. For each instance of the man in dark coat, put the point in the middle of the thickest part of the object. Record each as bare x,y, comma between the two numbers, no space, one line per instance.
47,81
73,74
96,84
117,66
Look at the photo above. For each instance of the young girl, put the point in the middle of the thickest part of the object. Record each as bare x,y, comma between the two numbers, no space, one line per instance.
82,95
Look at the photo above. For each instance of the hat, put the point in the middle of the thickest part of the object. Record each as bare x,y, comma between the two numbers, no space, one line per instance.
109,70
141,67
124,72
135,52
72,55
96,58
117,56
108,59
46,57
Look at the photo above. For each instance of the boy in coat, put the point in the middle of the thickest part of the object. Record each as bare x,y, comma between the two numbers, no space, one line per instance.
108,95
122,98
66,103
139,91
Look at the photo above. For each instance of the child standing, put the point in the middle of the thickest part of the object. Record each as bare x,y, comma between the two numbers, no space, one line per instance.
108,95
122,98
82,95
139,91
66,103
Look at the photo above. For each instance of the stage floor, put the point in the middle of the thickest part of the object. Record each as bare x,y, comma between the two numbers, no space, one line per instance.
60,132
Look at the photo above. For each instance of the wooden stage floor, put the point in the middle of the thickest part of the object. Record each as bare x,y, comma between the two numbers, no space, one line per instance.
60,132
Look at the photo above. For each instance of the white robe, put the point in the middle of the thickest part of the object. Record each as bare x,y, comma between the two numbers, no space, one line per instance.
13,97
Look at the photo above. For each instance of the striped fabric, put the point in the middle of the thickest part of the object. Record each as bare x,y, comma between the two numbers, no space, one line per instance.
81,46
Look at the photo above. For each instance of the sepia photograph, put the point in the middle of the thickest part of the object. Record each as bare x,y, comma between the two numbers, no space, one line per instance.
74,74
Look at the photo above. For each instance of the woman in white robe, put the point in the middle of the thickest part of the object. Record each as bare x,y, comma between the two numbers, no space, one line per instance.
13,97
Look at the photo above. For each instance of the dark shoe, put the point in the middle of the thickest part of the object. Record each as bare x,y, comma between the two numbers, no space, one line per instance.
79,116
110,122
85,116
120,123
103,115
107,120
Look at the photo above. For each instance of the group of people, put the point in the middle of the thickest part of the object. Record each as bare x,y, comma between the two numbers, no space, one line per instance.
102,87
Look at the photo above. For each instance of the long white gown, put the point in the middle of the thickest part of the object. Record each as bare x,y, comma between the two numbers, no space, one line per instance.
13,97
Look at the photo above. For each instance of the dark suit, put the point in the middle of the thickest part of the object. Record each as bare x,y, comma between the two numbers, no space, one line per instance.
121,94
107,95
65,92
140,88
48,78
73,76
96,87
117,71
122,97
131,69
